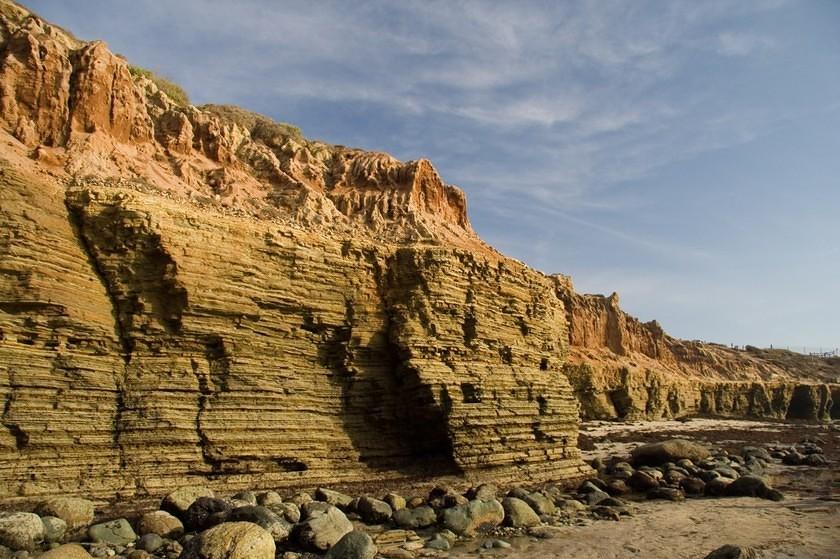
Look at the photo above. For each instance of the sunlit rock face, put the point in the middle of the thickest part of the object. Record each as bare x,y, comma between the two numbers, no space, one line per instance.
202,295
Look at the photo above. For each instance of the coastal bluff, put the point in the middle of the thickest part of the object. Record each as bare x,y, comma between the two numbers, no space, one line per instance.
201,295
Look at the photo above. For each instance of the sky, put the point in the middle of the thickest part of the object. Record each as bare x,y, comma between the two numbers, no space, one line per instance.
684,154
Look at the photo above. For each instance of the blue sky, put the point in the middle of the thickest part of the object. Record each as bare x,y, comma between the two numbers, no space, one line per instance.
685,154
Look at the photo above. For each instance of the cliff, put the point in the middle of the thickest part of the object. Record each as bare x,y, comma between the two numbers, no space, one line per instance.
200,294
623,368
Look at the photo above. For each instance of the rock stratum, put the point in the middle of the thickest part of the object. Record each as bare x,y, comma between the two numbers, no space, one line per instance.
199,294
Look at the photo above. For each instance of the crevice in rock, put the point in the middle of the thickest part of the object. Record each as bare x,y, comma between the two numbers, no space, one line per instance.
21,436
76,218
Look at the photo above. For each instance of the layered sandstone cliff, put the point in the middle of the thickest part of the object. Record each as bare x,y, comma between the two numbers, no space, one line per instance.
623,368
199,294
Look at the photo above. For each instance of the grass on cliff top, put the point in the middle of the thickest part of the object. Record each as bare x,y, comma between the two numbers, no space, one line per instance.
259,125
172,89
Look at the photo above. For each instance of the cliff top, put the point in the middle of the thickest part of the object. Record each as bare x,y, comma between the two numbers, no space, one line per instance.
84,112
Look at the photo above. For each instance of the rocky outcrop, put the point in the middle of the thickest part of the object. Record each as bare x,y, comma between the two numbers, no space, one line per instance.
623,368
200,293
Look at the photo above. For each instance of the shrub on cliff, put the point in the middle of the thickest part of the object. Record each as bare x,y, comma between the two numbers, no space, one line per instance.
260,126
172,90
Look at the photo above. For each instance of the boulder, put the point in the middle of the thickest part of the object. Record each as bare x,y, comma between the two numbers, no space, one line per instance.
476,515
180,500
717,487
595,497
395,501
642,481
54,529
374,511
667,493
161,523
114,532
732,552
265,518
518,514
540,503
246,497
439,543
419,517
617,487
150,543
67,551
21,530
323,528
353,545
752,486
205,512
289,511
269,498
815,460
231,540
300,498
668,451
693,486
484,492
757,452
334,498
76,512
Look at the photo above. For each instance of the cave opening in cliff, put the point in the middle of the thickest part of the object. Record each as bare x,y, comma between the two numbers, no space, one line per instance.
802,405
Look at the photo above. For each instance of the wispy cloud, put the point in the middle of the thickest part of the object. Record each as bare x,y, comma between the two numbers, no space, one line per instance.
742,44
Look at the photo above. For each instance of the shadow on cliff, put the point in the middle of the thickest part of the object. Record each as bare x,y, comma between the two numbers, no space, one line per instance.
390,416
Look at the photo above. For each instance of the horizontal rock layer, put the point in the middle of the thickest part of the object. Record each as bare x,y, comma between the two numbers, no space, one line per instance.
623,368
199,294
147,344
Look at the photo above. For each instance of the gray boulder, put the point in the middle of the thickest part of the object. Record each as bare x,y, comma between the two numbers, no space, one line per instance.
518,514
419,517
374,511
150,543
668,451
54,529
289,511
334,498
540,503
323,528
353,545
114,532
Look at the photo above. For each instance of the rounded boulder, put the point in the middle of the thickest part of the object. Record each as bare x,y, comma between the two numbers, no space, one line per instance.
231,540
21,530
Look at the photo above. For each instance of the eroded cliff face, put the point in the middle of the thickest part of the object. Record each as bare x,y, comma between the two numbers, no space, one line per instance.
623,368
199,294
